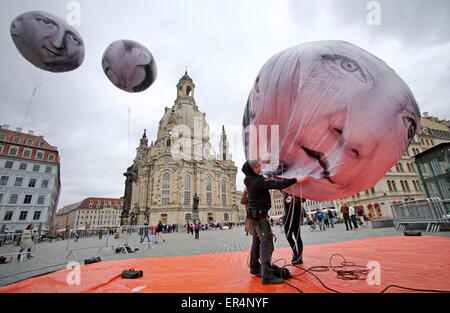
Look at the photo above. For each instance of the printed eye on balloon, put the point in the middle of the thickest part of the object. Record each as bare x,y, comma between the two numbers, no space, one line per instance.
345,117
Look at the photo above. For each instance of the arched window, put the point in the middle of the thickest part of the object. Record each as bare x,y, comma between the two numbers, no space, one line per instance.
208,190
394,187
187,189
389,185
224,192
226,217
166,180
165,188
403,185
188,91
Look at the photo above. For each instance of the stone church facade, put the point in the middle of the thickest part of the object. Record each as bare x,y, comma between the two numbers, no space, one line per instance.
166,174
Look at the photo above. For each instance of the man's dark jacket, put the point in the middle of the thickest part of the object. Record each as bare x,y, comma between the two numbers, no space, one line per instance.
258,189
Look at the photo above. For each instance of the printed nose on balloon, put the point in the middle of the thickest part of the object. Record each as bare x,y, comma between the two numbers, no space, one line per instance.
57,39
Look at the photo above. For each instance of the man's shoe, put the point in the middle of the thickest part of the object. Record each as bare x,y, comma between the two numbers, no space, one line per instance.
257,273
297,261
272,281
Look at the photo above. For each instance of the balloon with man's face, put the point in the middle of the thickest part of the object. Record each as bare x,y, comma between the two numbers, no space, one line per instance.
129,65
47,41
344,118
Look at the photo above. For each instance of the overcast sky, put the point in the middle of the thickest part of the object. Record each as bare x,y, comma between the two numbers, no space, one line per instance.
223,44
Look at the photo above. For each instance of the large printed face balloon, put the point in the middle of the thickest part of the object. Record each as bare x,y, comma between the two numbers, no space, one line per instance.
47,41
129,65
344,118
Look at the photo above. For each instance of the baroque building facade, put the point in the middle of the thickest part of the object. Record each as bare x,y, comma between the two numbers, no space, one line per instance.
166,174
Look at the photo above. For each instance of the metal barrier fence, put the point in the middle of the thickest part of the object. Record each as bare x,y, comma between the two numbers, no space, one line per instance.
119,239
10,245
431,211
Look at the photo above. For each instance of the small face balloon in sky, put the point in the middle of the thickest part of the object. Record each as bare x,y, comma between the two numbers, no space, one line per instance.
344,118
129,65
47,41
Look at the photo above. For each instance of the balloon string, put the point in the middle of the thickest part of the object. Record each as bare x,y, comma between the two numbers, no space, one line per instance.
128,146
30,101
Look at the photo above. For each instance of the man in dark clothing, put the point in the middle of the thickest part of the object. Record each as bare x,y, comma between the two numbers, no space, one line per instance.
345,214
293,216
258,205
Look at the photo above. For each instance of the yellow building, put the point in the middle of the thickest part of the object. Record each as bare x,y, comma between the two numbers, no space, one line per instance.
167,174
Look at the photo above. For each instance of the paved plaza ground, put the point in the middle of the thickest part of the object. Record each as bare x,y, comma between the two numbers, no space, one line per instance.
50,257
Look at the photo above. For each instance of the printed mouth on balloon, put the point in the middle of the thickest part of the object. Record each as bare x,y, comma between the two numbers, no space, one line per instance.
320,157
52,52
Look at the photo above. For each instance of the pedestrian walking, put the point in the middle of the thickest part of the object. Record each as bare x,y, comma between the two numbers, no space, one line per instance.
26,242
332,217
352,213
319,217
258,205
144,232
159,229
326,219
197,229
345,211
362,216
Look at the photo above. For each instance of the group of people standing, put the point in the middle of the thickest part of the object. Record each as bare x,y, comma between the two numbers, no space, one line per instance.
352,216
194,227
325,218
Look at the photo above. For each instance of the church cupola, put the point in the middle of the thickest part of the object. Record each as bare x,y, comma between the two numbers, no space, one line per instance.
185,90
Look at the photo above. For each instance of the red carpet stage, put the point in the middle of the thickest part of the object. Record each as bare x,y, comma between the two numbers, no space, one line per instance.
421,262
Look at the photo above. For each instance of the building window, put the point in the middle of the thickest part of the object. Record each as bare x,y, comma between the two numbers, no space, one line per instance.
16,139
1,149
39,155
165,197
187,189
27,199
8,215
32,183
187,197
26,153
51,157
23,166
224,194
226,217
36,168
166,180
9,164
13,150
29,142
188,217
23,215
13,198
44,183
166,160
41,199
4,180
18,182
37,215
2,136
208,191
1,198
41,144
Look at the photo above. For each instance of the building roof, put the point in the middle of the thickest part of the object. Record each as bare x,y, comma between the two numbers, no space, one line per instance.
432,149
116,203
24,141
68,208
